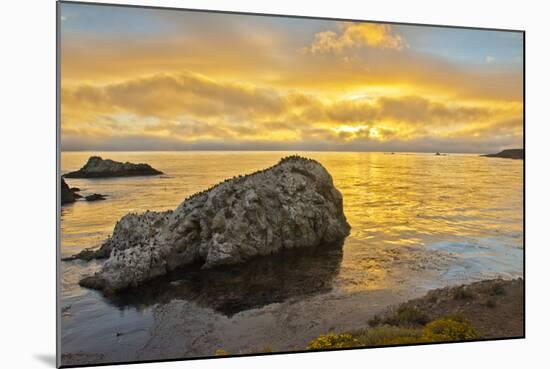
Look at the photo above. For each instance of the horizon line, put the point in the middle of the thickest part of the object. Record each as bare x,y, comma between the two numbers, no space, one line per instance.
286,150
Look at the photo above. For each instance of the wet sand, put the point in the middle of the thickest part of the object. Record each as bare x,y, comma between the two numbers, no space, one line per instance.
271,303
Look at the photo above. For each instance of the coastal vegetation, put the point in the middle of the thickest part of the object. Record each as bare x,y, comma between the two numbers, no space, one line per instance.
486,309
447,329
479,310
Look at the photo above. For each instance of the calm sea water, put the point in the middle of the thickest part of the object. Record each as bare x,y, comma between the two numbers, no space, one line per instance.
419,221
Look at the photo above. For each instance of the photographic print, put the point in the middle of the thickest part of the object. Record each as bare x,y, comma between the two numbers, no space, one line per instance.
238,184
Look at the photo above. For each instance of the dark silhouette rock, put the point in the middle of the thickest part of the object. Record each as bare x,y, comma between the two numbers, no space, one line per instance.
97,167
508,154
68,195
89,254
95,197
293,204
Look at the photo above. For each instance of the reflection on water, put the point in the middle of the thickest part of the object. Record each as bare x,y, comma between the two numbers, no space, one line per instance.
232,289
418,221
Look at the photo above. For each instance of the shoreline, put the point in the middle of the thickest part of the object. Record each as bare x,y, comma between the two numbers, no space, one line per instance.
223,336
481,310
417,237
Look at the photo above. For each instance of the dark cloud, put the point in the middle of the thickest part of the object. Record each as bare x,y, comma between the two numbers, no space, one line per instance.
149,143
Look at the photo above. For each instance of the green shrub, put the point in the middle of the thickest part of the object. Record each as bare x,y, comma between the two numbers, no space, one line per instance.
404,340
331,341
497,289
262,350
387,335
375,321
267,349
404,316
452,328
461,293
432,298
407,316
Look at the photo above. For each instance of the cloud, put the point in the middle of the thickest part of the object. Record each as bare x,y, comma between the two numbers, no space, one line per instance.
210,81
271,59
489,59
168,96
356,35
506,127
191,108
412,110
429,144
417,109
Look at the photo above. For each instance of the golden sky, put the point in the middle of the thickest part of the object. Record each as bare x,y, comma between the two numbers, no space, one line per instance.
146,79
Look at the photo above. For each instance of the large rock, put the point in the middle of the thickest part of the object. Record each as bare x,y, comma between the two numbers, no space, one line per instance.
508,154
96,167
290,205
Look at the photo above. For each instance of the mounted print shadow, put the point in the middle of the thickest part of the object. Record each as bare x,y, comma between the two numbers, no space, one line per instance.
238,184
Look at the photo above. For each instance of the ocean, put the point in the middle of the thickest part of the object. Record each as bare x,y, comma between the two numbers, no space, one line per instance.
419,221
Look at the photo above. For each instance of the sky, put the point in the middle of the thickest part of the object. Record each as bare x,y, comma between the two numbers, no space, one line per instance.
137,79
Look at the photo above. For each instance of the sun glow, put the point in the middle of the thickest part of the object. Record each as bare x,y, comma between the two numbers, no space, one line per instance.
340,87
350,129
374,133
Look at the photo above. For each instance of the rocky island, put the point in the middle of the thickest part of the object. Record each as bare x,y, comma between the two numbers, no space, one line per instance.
293,204
96,167
508,154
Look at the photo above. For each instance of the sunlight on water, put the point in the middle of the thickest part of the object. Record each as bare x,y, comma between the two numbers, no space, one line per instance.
417,220
390,200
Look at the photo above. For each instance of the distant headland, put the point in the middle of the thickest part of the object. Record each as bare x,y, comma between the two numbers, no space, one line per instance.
508,154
